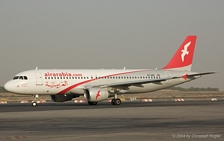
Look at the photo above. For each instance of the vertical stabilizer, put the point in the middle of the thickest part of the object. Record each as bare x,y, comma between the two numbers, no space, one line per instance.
182,59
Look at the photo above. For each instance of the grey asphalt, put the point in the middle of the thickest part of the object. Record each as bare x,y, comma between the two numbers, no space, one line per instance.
188,120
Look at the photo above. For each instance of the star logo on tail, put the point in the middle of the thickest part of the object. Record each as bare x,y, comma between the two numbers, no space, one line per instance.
98,94
185,51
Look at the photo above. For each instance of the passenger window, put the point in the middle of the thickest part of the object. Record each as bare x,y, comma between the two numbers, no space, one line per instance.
25,78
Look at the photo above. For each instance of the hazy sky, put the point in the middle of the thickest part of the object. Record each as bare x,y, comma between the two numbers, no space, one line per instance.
110,34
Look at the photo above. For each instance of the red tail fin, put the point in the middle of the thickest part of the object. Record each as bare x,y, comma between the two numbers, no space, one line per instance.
182,59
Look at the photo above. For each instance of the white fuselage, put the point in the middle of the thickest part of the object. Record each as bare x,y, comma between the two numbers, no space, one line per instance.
74,81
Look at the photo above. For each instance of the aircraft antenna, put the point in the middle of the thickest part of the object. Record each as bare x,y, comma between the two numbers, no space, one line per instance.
36,68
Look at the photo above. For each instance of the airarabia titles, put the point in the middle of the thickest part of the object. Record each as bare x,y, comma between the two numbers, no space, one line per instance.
61,74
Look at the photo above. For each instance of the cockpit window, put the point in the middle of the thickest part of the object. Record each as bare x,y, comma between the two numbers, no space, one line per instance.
20,78
16,77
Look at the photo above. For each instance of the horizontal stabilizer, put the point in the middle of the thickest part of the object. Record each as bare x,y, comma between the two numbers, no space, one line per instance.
203,73
194,74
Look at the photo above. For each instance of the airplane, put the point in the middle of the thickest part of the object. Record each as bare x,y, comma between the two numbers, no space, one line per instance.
97,85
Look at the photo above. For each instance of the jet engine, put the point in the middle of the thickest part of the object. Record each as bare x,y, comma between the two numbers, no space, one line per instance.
63,98
96,94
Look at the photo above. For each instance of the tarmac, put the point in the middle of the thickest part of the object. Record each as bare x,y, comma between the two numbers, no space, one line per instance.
142,121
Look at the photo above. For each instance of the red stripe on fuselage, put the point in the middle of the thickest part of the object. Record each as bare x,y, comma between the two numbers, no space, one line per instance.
80,83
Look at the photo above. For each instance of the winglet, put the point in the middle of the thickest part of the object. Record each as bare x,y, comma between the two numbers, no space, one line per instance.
182,59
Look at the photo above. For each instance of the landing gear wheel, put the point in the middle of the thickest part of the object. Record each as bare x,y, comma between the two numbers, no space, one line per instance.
116,101
92,103
34,104
35,98
113,101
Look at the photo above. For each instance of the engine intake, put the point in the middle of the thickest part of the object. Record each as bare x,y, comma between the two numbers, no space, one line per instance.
96,94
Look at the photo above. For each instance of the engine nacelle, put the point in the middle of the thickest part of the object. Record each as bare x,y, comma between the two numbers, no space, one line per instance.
96,94
63,98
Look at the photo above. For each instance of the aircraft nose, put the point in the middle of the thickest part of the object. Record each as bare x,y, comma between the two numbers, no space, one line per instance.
7,86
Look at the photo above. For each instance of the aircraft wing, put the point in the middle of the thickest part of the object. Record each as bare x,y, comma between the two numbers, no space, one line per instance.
129,83
139,82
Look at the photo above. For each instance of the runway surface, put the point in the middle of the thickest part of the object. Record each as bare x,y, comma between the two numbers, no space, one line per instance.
188,120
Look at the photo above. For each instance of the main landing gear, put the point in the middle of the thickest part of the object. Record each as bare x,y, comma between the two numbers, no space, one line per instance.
34,102
92,103
115,100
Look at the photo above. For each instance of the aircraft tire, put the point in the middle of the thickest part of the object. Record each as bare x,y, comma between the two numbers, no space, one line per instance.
92,103
117,101
34,104
113,101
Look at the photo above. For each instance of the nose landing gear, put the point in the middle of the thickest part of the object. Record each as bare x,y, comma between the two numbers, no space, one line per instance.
34,102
